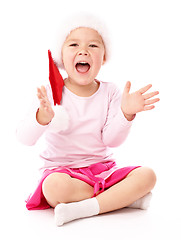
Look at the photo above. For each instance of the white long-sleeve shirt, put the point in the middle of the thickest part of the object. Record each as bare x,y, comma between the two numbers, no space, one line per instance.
96,124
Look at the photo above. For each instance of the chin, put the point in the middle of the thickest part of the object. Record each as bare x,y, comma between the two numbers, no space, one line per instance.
83,79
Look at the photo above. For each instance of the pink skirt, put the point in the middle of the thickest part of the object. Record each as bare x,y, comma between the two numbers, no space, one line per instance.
100,175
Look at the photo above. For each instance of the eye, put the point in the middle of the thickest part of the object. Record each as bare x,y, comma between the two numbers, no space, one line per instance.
93,46
73,45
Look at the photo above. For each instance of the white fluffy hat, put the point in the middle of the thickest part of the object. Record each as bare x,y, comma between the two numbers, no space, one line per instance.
76,21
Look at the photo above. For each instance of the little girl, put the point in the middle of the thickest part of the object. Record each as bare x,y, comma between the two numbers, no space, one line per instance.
80,177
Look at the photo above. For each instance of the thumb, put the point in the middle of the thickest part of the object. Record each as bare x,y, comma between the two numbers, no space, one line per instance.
127,87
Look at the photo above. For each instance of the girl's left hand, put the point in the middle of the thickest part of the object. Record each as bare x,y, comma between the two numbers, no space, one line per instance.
135,102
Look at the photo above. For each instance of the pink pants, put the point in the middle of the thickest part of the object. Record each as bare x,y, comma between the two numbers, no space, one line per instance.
100,175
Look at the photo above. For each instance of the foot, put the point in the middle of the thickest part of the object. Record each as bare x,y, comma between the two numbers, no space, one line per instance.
142,203
66,212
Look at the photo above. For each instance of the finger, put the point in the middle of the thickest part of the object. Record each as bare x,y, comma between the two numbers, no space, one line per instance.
127,87
39,93
43,90
152,101
150,95
146,108
145,89
42,93
38,90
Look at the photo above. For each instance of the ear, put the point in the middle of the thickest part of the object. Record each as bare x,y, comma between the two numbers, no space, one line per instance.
104,59
62,59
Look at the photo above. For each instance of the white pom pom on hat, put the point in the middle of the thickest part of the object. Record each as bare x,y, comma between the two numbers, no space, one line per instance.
61,120
74,22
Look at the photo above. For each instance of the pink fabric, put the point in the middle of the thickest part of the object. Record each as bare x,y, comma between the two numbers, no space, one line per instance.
96,125
84,149
100,175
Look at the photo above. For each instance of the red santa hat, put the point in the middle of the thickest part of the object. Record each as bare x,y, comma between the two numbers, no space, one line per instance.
74,22
56,80
61,119
60,122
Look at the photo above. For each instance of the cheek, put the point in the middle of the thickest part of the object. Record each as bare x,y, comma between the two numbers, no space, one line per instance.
67,58
99,60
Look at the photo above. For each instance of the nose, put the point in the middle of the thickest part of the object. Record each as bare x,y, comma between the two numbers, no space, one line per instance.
83,52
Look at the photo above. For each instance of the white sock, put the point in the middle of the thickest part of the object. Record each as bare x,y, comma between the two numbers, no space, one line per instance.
66,212
142,203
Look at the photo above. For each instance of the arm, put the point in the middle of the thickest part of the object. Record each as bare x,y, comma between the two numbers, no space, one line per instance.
116,127
36,121
122,111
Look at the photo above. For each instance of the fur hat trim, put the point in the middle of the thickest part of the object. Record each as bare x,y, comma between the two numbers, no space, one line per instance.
74,22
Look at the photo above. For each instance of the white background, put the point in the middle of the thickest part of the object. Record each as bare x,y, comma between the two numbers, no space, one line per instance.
146,38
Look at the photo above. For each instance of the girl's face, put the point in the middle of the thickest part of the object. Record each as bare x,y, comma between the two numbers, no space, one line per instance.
83,54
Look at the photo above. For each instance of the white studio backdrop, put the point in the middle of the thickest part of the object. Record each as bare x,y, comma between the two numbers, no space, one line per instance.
146,37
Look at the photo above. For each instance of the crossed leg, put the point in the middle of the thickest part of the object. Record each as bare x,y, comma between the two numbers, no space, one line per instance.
136,185
61,188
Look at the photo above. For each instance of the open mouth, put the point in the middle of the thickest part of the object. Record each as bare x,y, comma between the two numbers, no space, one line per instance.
82,67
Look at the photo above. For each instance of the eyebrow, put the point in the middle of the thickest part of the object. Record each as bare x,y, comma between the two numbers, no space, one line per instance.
77,40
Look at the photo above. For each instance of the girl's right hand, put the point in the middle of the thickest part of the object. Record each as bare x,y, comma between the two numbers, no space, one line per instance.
45,112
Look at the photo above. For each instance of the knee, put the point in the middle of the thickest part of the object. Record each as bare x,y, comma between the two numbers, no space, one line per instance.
57,188
149,177
146,178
